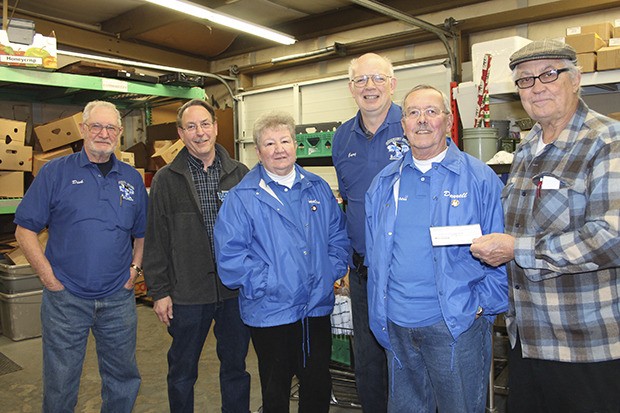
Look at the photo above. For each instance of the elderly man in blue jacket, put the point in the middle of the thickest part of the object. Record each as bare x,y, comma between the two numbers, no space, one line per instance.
280,238
431,303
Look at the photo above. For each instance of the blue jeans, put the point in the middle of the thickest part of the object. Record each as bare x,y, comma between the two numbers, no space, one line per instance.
371,373
66,321
189,329
430,370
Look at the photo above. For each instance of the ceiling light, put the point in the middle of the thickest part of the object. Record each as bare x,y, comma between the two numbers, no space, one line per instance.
202,12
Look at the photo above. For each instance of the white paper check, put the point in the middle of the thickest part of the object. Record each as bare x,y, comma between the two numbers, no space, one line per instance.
455,235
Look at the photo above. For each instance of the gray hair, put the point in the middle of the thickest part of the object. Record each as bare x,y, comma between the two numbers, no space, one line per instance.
446,101
273,120
194,102
385,59
96,104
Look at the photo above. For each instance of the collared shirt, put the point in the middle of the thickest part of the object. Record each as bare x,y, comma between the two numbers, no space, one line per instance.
563,208
91,219
207,185
358,159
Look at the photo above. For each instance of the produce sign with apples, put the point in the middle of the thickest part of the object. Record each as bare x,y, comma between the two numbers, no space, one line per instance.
41,53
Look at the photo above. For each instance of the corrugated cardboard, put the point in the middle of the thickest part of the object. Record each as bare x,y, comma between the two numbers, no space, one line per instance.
604,30
608,58
41,53
163,131
12,184
585,43
140,156
128,158
15,157
17,256
41,158
614,115
587,61
59,133
167,155
616,31
12,131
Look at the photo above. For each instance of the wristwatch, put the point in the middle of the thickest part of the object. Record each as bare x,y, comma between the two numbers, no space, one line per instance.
137,268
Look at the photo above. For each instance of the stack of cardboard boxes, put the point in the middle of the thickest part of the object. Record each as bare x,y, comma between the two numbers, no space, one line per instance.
597,45
15,158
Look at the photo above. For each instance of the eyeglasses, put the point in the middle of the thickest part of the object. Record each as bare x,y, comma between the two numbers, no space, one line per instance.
547,77
362,80
96,128
193,127
429,112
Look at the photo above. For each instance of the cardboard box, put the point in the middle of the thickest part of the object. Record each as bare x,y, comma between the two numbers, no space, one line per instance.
614,41
604,30
608,58
614,115
12,184
41,53
13,131
59,133
15,157
140,154
128,158
166,155
17,256
587,61
163,131
41,158
616,31
139,286
141,171
586,43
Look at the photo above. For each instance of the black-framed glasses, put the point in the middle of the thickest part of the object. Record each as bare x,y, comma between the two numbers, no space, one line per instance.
362,80
546,77
430,112
96,128
193,127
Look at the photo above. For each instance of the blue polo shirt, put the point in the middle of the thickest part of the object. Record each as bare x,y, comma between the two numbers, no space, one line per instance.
91,221
412,290
358,160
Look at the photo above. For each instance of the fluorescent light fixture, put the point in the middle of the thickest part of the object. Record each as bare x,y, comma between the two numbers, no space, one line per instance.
202,12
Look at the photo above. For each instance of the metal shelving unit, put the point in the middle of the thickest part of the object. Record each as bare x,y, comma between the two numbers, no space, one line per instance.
42,86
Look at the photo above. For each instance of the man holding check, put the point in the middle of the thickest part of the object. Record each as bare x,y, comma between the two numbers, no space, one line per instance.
431,303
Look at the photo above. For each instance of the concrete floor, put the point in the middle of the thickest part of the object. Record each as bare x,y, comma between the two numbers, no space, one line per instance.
20,391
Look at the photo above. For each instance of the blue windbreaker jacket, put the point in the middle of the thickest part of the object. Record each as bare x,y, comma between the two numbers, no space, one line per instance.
285,272
463,283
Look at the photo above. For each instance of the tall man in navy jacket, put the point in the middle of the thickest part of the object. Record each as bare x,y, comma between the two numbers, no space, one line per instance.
363,146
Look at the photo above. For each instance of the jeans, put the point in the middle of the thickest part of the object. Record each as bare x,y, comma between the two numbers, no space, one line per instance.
189,329
430,370
303,349
66,321
371,373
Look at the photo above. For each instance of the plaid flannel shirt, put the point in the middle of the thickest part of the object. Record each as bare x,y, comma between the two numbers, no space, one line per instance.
563,283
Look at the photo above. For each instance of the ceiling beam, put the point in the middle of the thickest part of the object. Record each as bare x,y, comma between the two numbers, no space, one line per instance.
113,46
464,27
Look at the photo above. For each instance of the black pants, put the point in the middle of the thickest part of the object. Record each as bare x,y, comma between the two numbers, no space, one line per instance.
543,386
302,349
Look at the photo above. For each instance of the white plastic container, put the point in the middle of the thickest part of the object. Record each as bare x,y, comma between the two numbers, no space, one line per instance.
500,50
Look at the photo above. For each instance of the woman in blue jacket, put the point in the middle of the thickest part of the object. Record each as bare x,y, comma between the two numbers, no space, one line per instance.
280,238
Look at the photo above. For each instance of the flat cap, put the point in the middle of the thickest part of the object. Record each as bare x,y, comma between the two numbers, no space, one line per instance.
543,49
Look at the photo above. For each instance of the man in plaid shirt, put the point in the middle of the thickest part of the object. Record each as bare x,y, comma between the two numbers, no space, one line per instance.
561,243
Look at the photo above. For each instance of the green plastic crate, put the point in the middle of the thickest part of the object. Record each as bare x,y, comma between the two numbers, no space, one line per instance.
311,145
341,349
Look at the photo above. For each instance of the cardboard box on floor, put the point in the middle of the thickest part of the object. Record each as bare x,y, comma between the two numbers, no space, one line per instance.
13,131
17,256
60,132
41,158
15,157
12,184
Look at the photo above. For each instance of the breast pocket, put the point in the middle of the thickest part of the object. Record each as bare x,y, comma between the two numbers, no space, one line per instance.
552,209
